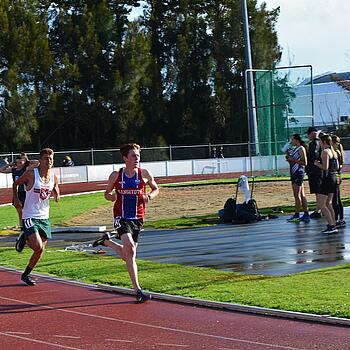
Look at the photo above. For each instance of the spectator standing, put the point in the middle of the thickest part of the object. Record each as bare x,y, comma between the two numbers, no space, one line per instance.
314,172
337,203
296,157
328,164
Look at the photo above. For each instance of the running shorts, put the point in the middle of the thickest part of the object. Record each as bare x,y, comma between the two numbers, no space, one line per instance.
297,178
132,226
315,183
328,185
42,226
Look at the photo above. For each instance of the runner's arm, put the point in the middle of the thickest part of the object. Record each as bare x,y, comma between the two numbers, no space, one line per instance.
56,190
109,195
152,184
325,161
303,159
6,169
33,164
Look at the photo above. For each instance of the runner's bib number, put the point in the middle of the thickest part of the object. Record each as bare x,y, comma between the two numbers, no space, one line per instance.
28,223
117,222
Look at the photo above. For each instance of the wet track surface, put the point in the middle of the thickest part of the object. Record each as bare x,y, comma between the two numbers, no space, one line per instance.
272,247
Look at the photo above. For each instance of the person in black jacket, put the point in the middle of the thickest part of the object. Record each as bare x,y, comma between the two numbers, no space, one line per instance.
313,172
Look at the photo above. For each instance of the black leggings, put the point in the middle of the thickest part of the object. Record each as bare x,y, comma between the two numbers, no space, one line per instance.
337,204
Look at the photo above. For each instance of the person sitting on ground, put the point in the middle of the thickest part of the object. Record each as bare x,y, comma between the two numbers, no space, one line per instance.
328,164
67,161
296,157
337,203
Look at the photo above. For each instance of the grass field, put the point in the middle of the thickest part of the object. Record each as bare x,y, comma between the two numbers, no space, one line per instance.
323,292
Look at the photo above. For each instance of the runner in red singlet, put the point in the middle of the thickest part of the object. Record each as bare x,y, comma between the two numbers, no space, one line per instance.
127,189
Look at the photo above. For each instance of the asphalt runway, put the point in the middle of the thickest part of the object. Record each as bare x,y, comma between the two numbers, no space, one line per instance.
272,247
63,315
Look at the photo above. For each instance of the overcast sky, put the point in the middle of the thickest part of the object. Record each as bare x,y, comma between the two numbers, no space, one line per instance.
314,32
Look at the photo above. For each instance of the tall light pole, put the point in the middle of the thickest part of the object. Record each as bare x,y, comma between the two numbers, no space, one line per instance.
252,122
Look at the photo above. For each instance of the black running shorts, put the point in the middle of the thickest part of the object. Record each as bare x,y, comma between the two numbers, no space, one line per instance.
315,183
328,185
297,178
132,226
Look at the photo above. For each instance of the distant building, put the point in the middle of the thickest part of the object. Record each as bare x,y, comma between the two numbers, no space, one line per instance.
331,99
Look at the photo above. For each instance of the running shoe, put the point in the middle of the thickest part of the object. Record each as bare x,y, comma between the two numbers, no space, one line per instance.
20,242
294,218
305,218
27,280
340,224
330,229
141,297
101,241
315,215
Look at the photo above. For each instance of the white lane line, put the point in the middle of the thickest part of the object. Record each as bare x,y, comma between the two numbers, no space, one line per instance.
65,336
39,341
175,345
20,333
120,340
183,331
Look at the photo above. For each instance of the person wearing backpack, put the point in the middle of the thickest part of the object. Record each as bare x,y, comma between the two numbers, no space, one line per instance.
337,203
296,157
328,164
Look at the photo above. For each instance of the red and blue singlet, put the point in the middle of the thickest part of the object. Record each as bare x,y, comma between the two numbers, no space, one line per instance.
130,192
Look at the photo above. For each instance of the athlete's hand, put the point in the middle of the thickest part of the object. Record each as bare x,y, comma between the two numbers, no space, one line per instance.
146,198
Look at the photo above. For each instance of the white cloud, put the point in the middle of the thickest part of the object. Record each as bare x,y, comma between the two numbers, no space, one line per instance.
314,32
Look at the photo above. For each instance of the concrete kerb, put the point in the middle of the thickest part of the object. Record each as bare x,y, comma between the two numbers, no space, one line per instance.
206,303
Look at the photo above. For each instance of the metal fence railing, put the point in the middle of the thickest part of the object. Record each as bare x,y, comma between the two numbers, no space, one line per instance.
154,154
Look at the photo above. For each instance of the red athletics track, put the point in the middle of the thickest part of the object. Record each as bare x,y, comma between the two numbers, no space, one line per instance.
58,315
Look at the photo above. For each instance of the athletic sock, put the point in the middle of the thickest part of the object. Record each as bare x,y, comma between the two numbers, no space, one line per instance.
27,271
306,213
296,215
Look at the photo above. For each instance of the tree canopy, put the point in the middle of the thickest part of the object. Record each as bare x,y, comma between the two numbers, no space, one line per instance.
84,73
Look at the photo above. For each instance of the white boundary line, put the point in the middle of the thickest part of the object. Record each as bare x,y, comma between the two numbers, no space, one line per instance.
147,325
38,341
206,303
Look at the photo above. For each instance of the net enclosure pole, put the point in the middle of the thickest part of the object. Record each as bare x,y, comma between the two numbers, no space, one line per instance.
251,110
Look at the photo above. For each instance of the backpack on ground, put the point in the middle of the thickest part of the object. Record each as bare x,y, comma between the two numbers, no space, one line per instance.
228,214
240,213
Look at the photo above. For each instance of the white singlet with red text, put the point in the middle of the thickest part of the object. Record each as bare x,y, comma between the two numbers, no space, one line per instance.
36,205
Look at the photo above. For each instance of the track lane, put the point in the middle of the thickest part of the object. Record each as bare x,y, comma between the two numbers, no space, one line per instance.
77,317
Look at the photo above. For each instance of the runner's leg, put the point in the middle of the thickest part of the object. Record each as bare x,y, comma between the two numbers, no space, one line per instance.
129,252
37,244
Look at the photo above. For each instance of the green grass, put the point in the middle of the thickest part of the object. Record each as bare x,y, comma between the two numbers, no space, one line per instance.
68,208
323,292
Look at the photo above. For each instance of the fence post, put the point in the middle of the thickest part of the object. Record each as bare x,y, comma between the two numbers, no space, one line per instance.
92,156
166,168
170,153
12,157
209,146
